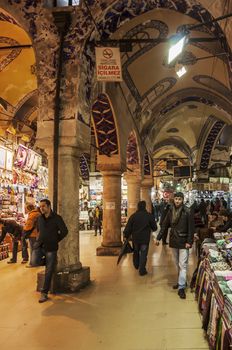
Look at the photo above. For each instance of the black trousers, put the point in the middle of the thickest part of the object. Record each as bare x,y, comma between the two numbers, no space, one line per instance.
140,256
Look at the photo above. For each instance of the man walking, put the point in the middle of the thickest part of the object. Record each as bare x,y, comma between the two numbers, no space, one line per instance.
181,222
140,225
52,230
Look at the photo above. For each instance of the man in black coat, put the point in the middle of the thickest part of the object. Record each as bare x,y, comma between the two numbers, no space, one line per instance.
181,221
52,230
139,226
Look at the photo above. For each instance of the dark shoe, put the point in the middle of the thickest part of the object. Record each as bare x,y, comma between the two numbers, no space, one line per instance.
43,298
176,286
143,272
181,293
24,261
11,262
165,243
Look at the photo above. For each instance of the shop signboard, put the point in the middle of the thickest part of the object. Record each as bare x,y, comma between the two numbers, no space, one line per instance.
2,158
21,156
9,160
108,64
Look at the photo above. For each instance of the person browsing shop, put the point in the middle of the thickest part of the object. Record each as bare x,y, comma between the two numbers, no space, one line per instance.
180,220
52,230
30,230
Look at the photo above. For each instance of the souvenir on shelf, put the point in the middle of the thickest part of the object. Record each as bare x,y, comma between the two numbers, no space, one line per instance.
21,156
2,158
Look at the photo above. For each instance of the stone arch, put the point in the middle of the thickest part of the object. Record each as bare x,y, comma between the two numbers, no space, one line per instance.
178,143
38,23
161,111
105,127
209,144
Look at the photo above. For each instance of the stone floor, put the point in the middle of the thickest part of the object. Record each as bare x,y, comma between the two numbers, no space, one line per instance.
120,310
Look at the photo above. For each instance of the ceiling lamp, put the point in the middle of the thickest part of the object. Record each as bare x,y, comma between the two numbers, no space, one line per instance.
25,138
11,130
180,70
176,47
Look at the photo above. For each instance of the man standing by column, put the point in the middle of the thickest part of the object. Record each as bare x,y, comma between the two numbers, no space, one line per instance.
52,230
181,222
139,226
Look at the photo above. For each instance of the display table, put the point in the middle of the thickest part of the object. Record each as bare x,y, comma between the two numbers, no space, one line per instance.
214,293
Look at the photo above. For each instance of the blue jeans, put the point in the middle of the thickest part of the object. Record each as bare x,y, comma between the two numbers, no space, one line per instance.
140,256
49,270
181,257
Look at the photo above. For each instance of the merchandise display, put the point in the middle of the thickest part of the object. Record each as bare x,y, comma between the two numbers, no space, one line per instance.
4,251
214,290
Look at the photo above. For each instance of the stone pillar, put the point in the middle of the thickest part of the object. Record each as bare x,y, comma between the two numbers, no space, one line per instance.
133,192
146,187
68,208
71,275
111,243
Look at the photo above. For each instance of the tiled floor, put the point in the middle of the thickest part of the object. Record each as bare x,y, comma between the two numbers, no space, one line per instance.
120,310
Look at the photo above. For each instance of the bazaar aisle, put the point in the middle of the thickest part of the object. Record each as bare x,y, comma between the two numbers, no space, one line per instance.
119,310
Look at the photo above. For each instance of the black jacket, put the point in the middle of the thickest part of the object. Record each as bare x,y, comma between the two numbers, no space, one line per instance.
10,226
182,232
51,231
140,225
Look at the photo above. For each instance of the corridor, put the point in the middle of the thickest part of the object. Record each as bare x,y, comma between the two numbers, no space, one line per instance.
120,310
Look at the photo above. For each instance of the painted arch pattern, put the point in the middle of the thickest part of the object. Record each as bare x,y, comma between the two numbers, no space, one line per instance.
147,165
104,126
209,143
132,150
84,166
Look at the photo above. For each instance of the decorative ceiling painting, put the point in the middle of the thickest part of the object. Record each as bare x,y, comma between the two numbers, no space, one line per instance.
9,57
104,125
132,150
209,144
147,165
214,84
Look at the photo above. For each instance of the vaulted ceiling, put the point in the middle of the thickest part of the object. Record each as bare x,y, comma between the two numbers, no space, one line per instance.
174,116
18,87
173,113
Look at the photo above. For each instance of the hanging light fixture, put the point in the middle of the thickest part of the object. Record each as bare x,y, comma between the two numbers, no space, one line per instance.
11,130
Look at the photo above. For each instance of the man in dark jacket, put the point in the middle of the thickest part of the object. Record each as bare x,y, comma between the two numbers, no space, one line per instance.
181,222
52,230
139,226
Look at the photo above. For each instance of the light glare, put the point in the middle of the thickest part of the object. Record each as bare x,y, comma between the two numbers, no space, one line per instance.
181,72
176,50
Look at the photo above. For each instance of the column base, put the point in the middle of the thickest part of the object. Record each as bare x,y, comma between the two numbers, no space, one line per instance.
66,282
108,251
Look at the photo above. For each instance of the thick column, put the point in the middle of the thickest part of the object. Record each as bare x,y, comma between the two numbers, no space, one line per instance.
111,242
71,275
146,187
68,208
133,192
